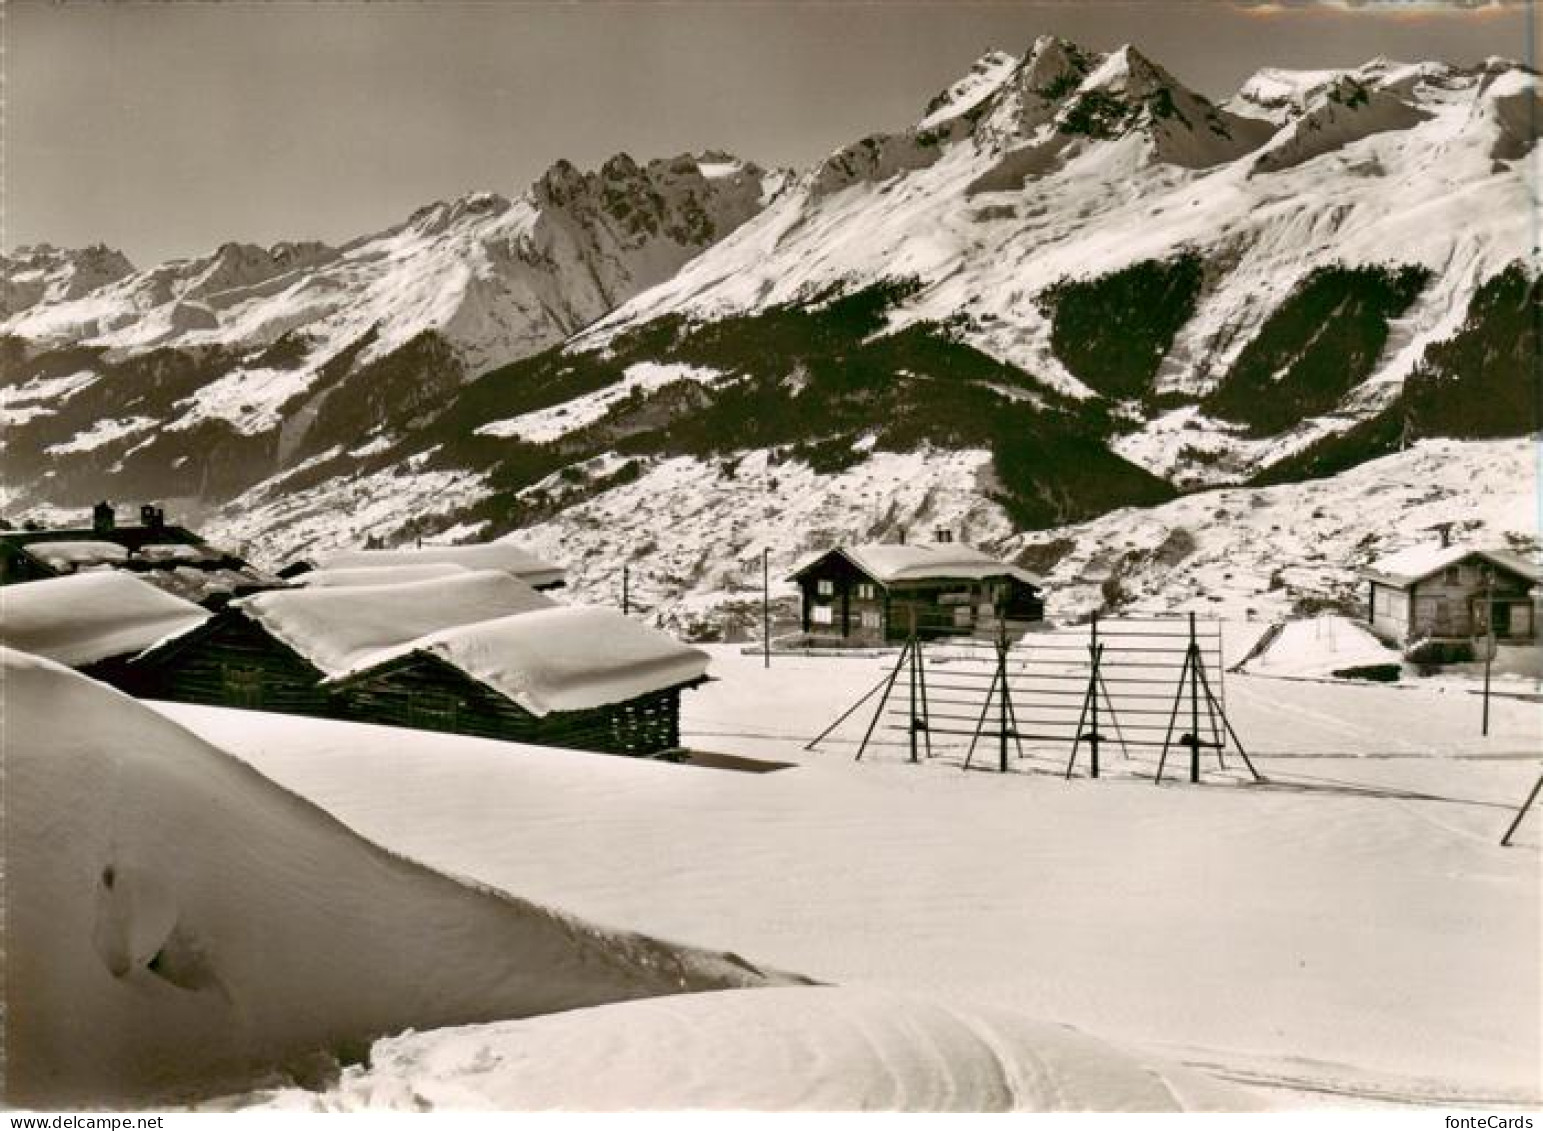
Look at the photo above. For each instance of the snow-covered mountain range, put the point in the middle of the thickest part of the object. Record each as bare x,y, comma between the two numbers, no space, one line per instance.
1073,285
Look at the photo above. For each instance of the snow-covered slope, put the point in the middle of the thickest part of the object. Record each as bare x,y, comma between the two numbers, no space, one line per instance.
175,921
44,274
1071,165
498,278
1271,551
1073,285
1205,924
826,1049
250,360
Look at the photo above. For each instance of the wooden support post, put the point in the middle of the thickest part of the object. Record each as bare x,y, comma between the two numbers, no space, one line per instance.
1194,704
1489,652
888,687
1002,707
1094,656
1505,841
848,713
920,664
980,723
911,729
626,595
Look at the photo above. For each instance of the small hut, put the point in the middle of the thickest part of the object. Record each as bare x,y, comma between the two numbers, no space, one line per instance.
879,592
573,676
1452,593
94,622
274,650
536,572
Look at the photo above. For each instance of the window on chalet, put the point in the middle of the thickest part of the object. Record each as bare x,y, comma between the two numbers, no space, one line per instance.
1452,576
821,614
866,591
872,618
825,587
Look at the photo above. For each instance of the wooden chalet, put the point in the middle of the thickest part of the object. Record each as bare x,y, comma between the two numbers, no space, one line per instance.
536,572
1453,593
880,592
571,676
274,651
169,557
94,622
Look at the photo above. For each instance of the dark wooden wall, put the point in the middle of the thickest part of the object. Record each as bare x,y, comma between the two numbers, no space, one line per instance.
232,662
427,694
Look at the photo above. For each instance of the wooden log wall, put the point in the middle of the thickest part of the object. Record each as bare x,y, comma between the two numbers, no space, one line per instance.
427,694
234,663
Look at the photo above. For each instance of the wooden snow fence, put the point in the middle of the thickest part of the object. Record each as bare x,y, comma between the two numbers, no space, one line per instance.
1129,685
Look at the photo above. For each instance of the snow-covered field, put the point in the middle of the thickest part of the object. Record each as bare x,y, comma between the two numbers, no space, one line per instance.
1348,932
176,922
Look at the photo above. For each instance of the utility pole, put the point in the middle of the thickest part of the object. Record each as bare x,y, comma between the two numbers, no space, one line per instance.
626,591
1489,650
766,606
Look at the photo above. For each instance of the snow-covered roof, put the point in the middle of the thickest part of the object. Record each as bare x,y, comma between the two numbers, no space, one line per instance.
73,555
87,617
892,562
379,575
198,583
563,658
1419,562
336,628
504,556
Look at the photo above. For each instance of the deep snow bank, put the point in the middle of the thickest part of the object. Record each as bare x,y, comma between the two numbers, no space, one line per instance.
177,923
1318,647
799,1050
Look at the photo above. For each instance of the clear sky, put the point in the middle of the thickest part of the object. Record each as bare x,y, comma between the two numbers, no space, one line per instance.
166,129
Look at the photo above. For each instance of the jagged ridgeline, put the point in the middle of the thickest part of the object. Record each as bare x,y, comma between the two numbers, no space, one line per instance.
819,381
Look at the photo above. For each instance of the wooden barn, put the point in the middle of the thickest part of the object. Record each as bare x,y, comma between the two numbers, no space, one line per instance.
1447,593
273,651
94,622
172,558
536,572
573,676
878,592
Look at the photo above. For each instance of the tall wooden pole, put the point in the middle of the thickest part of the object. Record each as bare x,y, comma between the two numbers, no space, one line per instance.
766,605
1094,657
626,595
1003,708
911,646
1194,703
1489,651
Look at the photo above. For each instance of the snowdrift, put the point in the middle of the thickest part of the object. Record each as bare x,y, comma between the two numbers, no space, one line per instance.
88,617
177,924
799,1050
1322,647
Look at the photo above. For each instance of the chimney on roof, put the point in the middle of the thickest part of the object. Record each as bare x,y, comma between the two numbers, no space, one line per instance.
1444,532
103,518
152,517
902,536
942,534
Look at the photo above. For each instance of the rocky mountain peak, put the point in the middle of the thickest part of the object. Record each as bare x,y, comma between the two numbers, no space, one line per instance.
43,273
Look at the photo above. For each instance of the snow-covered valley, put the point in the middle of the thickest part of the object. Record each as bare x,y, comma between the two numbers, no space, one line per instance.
1082,340
1348,933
